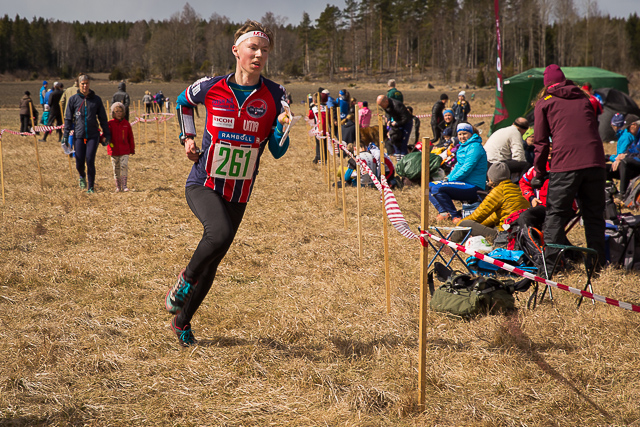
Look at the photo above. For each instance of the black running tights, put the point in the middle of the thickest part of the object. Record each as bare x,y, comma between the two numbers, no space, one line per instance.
220,220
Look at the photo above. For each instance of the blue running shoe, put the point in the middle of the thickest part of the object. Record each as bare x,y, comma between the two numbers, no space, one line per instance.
184,334
82,182
178,295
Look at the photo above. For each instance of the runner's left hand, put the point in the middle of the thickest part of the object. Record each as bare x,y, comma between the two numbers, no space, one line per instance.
283,118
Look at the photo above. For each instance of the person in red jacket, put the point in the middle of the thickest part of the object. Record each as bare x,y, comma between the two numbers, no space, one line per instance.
564,115
122,145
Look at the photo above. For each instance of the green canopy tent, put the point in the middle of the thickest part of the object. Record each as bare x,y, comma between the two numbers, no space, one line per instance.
522,89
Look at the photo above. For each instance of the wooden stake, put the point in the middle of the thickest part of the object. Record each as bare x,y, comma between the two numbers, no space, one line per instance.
165,130
358,180
139,122
35,141
329,147
175,122
385,221
344,199
322,140
310,126
335,167
424,287
1,170
146,135
156,108
329,125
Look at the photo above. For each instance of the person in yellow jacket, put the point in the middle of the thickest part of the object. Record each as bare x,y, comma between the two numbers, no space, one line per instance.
504,199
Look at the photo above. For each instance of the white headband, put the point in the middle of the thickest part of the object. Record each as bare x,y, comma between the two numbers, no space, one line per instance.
252,34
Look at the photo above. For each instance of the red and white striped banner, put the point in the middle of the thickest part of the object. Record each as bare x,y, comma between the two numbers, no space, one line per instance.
520,272
165,117
422,116
402,226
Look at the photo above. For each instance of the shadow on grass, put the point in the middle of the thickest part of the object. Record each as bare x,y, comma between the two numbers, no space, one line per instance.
530,349
357,349
292,351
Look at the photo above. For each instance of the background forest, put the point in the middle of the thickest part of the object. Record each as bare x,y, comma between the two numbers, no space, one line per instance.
454,41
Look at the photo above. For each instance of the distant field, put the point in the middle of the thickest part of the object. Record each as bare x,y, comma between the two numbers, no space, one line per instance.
294,331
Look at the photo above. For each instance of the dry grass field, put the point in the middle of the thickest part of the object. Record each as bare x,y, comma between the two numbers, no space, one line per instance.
294,331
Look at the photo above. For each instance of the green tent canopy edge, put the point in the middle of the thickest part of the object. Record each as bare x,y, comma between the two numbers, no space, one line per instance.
521,90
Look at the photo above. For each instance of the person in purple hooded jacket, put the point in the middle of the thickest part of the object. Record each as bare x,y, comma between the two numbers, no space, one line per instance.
565,118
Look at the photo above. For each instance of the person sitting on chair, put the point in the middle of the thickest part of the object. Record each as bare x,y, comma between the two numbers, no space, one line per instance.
504,199
467,177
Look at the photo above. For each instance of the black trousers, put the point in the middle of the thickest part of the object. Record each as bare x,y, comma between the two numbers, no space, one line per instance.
629,168
587,186
25,122
221,220
437,133
55,119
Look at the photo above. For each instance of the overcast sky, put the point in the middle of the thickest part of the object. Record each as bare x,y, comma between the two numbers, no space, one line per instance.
236,11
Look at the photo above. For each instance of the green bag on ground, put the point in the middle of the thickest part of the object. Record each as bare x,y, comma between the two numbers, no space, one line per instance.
467,296
410,166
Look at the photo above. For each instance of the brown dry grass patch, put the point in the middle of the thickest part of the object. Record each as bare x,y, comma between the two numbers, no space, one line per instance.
294,331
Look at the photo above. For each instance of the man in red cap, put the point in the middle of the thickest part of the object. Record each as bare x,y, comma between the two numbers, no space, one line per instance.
564,115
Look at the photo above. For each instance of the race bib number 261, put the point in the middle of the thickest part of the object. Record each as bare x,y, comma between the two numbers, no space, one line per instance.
231,162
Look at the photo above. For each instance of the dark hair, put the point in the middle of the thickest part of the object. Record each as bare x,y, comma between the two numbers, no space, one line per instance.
26,92
443,97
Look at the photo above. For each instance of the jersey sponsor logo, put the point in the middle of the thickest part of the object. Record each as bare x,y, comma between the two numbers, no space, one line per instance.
223,122
239,137
250,126
223,104
195,87
257,108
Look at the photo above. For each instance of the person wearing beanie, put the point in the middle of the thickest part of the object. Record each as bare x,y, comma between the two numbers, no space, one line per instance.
461,108
437,117
467,177
617,124
448,121
565,115
626,163
504,199
528,147
344,102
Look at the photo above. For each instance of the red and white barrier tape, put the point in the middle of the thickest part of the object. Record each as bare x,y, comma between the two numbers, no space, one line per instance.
401,225
519,272
423,116
43,128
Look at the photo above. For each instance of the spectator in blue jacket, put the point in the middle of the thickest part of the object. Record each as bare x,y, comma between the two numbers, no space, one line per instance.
42,93
344,100
627,164
468,176
623,136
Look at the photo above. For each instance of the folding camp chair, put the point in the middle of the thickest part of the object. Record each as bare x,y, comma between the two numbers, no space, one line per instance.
439,249
589,259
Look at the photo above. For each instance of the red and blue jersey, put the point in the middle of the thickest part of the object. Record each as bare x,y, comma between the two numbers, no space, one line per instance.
235,135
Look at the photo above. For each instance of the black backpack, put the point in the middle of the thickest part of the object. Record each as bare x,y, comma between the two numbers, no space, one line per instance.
530,241
622,238
611,210
631,197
